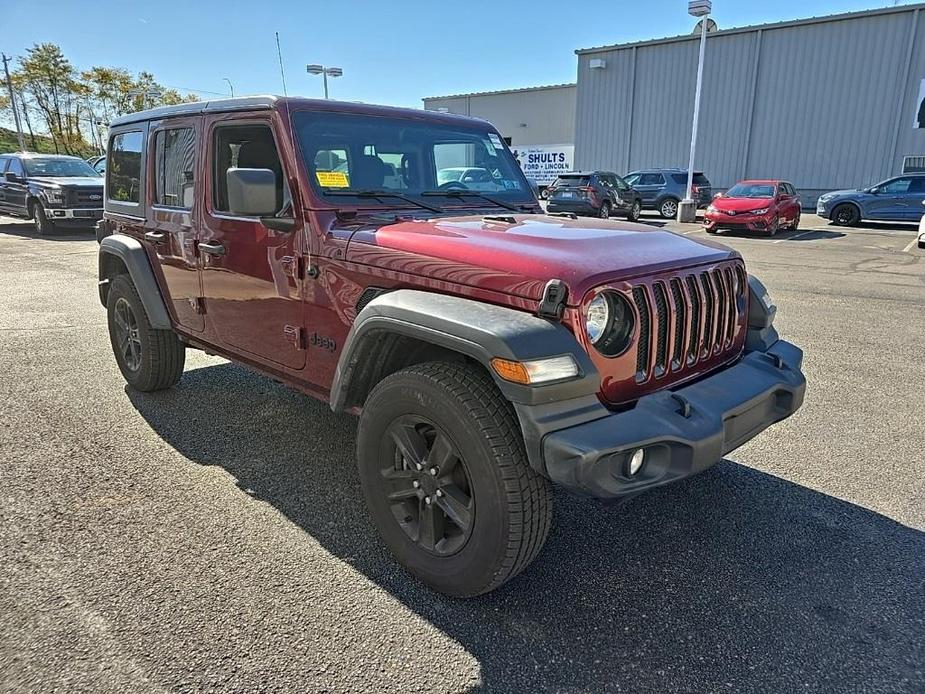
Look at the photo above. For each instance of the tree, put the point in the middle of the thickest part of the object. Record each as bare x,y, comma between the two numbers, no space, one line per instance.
49,79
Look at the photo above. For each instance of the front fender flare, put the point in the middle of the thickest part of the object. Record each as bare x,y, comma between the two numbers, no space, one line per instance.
475,329
133,256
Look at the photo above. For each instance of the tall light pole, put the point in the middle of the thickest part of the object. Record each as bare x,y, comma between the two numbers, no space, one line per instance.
230,86
9,86
687,210
315,69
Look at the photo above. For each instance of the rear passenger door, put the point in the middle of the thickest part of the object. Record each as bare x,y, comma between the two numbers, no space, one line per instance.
171,231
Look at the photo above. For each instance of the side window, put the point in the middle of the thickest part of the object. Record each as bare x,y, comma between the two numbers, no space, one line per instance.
651,179
174,167
16,167
123,175
3,162
245,147
896,187
621,184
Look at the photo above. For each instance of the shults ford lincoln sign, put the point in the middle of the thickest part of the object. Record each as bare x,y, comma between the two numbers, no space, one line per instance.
543,163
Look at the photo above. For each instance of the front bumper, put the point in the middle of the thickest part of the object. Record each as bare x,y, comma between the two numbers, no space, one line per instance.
683,432
739,222
77,215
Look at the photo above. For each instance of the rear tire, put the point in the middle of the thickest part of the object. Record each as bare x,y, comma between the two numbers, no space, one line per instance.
149,359
846,215
668,208
604,211
43,225
452,418
795,225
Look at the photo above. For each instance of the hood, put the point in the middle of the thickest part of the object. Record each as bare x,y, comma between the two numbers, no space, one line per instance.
518,254
742,204
839,193
65,181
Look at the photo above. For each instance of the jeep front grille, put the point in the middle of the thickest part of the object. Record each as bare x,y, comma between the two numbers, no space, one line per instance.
686,319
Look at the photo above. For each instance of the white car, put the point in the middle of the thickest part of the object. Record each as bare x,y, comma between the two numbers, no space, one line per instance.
922,231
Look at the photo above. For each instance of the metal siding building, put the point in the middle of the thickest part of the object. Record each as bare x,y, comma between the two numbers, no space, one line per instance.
531,116
826,103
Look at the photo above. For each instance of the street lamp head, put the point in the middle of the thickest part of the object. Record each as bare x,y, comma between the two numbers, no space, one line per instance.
314,69
699,8
334,71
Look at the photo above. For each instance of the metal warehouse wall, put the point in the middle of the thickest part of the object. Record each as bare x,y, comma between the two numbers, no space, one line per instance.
548,113
823,103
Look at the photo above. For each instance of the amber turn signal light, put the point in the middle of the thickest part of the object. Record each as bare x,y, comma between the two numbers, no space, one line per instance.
536,371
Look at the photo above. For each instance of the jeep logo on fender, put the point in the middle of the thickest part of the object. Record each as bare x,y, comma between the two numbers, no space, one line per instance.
322,341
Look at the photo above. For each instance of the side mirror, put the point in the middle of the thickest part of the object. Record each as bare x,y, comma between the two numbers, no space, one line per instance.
251,192
11,177
873,190
718,195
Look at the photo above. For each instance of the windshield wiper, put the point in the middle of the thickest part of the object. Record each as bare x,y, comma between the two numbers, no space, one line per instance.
382,194
457,193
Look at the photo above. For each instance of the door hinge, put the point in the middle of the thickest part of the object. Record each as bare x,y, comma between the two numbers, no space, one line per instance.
295,336
294,266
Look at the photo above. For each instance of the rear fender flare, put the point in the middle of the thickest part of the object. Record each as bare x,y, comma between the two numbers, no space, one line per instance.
135,259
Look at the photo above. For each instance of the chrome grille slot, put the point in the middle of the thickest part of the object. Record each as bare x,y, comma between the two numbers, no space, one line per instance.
680,323
709,337
693,348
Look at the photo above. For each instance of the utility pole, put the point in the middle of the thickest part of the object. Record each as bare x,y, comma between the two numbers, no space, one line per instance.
9,86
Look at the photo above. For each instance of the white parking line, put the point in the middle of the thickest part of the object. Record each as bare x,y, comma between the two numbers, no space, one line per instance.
796,236
688,233
911,244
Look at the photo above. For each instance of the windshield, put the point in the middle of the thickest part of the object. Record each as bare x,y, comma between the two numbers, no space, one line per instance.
346,153
751,190
50,166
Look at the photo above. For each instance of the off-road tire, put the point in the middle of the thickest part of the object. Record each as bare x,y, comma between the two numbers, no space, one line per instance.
512,502
845,215
43,225
162,355
604,211
668,208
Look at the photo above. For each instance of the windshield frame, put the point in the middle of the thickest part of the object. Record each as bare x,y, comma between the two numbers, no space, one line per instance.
28,161
339,198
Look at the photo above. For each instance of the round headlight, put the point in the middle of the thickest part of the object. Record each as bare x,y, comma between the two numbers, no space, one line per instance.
609,323
598,318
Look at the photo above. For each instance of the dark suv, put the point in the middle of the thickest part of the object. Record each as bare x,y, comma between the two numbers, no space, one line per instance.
595,193
488,350
51,190
663,189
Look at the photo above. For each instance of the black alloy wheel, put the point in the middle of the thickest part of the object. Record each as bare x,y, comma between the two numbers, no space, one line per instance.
428,487
127,337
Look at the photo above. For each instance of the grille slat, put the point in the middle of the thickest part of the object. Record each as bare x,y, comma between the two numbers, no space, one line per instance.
642,345
680,323
685,319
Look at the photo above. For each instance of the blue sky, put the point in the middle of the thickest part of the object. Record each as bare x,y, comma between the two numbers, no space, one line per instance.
392,52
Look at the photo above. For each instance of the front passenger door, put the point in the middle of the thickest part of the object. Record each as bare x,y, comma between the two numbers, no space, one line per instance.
251,294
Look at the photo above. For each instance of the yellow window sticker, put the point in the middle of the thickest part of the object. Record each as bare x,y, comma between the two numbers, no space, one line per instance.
333,179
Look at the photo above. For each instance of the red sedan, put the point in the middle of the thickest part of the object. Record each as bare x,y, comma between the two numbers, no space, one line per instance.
759,206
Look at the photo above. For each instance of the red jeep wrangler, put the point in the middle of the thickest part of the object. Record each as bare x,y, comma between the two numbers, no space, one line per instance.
487,348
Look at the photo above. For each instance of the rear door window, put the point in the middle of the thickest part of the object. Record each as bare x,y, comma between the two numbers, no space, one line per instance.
174,167
123,175
651,179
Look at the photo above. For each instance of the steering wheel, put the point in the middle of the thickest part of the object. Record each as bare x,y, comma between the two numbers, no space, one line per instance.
453,185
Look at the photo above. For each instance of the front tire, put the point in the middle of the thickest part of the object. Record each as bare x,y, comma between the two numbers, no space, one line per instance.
43,225
635,211
668,208
846,215
149,359
446,478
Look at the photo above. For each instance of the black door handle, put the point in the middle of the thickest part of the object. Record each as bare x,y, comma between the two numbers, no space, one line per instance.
212,248
156,237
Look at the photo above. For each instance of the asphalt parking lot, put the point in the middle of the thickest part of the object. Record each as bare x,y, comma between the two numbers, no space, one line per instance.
214,536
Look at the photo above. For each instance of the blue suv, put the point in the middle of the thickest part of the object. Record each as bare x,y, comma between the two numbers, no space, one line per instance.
895,200
663,189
